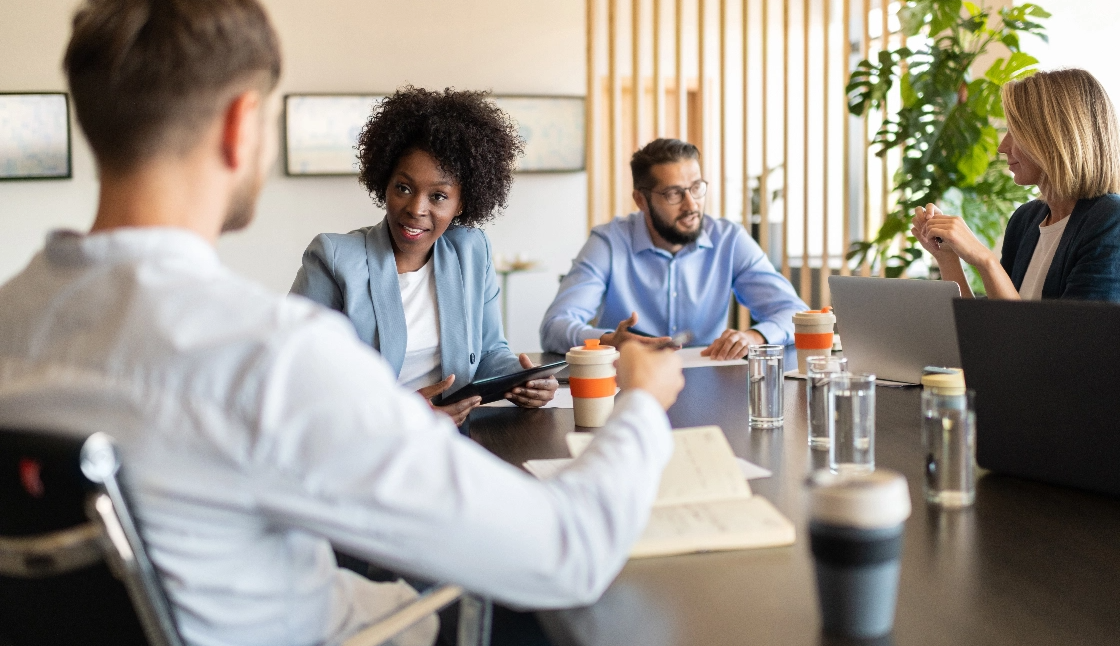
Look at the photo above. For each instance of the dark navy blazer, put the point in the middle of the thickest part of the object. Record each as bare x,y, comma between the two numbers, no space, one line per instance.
1086,263
356,273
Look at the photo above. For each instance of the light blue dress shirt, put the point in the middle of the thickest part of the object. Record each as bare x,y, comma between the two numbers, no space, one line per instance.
619,271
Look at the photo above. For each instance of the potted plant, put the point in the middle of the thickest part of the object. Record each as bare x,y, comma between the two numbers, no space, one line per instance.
948,126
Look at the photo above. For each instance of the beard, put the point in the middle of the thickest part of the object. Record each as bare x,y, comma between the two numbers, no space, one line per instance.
243,202
665,226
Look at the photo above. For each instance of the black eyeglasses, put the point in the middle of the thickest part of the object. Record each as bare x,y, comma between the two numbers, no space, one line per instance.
675,194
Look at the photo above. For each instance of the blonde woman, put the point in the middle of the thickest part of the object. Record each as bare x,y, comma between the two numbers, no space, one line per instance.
1062,136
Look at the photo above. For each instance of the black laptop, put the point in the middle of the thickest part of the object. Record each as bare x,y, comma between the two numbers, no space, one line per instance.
1047,382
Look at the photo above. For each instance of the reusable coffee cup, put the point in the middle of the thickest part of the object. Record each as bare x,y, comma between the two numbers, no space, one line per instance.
855,533
591,376
812,334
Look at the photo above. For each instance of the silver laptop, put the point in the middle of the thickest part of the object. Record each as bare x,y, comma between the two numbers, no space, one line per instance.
894,327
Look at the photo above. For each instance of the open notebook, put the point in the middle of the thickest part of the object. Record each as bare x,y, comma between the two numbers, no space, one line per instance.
704,502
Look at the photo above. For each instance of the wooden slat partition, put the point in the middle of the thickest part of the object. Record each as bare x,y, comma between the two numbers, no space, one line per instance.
721,99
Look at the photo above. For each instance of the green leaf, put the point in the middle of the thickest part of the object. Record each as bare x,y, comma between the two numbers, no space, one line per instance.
1018,65
912,18
945,15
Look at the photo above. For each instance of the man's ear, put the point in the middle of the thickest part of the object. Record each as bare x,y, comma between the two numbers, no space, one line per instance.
640,200
241,127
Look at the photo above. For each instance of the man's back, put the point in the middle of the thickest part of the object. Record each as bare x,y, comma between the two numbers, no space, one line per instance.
145,336
258,432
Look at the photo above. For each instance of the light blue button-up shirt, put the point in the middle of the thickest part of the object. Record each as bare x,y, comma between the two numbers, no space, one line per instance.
619,271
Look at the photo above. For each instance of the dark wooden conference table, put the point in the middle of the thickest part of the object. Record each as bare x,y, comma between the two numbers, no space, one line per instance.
1030,563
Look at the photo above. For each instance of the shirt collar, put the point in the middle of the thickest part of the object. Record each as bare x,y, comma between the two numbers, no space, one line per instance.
134,244
640,239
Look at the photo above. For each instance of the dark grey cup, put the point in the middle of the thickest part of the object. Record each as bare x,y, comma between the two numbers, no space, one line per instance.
857,578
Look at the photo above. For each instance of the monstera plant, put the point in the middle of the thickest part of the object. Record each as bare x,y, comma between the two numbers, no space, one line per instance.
948,125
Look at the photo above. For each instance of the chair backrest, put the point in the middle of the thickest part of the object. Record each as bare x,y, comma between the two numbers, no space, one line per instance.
73,569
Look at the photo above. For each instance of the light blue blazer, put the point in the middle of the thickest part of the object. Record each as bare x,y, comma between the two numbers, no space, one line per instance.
356,273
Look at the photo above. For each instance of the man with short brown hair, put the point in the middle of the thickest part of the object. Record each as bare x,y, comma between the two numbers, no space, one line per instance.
257,430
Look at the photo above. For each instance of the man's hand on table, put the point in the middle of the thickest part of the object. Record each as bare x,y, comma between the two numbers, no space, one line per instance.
622,334
732,344
658,372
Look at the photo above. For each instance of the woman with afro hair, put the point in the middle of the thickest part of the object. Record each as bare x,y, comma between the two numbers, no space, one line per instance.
419,286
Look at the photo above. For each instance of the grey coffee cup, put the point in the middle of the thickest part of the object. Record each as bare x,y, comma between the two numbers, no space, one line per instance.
855,533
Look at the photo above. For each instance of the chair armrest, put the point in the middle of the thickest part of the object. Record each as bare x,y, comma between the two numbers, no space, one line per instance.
428,603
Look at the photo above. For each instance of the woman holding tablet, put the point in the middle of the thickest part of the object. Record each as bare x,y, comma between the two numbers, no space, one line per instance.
420,285
1062,136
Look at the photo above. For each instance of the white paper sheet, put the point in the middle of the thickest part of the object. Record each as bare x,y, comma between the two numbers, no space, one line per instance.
546,468
562,399
691,358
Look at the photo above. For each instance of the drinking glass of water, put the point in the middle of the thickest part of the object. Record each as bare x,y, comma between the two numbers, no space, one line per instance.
851,423
765,372
949,438
818,372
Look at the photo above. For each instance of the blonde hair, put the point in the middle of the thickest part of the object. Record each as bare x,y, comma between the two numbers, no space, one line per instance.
1065,122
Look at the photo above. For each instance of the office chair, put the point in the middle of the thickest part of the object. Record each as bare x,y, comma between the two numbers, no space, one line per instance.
73,569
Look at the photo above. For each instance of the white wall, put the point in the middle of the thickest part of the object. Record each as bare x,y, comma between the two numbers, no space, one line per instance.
508,46
1082,34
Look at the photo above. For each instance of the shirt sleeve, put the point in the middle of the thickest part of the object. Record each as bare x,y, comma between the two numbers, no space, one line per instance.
497,359
315,278
566,323
346,454
767,293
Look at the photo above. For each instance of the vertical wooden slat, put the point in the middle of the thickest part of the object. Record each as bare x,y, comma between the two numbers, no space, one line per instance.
846,123
806,271
764,178
613,109
636,94
884,45
658,82
682,90
865,268
746,116
785,139
590,119
826,17
702,84
723,108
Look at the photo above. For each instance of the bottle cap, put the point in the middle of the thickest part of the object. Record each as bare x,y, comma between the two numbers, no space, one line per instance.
592,352
875,500
593,344
944,381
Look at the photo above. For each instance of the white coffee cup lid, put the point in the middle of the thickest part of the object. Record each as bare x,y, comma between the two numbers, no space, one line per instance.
592,352
873,500
815,317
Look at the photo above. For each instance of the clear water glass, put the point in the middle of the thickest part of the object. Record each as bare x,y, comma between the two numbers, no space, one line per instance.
949,439
818,372
851,423
765,374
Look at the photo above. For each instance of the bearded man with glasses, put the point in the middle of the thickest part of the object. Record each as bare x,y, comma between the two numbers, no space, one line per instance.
668,269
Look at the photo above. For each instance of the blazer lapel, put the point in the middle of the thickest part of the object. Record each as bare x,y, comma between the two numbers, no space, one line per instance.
1026,248
385,292
455,350
1056,274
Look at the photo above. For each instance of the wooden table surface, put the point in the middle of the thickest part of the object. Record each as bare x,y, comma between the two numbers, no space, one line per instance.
1028,564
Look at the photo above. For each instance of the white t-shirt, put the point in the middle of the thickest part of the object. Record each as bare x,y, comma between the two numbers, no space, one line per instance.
1048,239
422,366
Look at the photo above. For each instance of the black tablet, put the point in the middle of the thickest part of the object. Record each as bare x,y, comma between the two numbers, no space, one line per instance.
495,388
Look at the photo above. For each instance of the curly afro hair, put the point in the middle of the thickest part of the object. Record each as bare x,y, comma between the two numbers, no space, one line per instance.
472,139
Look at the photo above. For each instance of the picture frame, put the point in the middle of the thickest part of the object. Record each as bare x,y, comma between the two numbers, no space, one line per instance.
35,138
321,132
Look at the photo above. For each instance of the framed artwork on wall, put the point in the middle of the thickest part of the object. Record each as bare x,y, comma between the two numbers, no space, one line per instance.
553,130
321,132
34,135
